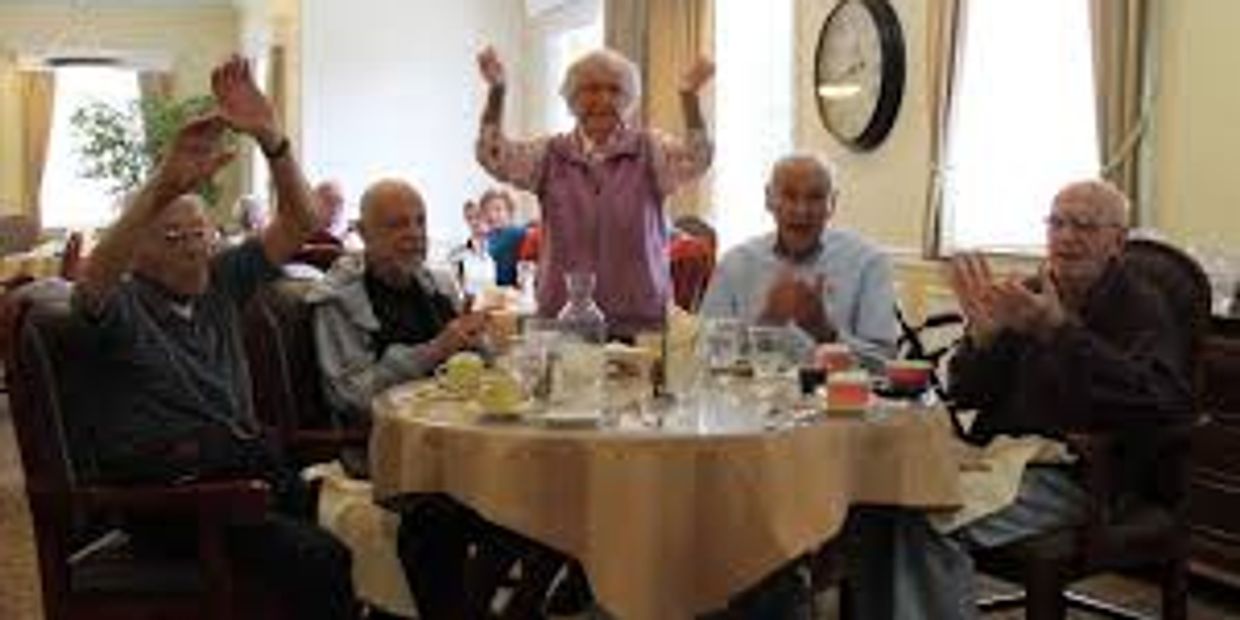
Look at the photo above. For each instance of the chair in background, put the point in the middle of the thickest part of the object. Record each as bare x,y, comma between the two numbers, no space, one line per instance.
287,383
691,255
1150,537
83,576
18,233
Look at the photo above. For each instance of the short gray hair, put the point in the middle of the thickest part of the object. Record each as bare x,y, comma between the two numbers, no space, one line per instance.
824,165
627,76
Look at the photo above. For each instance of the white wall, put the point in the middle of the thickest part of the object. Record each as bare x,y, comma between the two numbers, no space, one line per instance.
392,89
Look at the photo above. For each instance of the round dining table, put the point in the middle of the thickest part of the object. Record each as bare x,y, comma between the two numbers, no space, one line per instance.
672,508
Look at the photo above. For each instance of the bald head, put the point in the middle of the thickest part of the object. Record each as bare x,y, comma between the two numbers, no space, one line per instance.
1085,232
393,227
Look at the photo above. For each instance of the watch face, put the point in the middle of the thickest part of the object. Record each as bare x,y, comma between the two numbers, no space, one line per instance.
859,72
850,70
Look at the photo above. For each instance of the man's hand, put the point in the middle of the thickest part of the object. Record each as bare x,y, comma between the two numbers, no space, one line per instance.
969,277
194,155
697,76
242,105
490,67
463,332
1033,313
790,299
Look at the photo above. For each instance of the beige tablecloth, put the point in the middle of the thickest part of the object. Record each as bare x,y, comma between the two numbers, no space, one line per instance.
668,524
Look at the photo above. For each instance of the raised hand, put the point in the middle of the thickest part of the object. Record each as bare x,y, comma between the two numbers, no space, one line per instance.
490,66
193,156
698,75
242,105
970,279
1023,310
791,299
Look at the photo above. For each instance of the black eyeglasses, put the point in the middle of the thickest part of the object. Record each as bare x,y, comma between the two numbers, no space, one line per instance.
182,236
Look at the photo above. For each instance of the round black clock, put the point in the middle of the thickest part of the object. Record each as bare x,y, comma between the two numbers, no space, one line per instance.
859,72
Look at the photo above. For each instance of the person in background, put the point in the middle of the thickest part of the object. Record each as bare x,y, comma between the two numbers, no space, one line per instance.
250,214
826,284
331,229
171,395
601,186
503,236
474,267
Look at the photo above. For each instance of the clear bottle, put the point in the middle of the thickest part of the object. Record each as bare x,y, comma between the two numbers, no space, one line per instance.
580,315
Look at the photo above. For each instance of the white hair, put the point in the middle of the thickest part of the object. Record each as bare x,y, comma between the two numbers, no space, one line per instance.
825,166
1100,194
627,77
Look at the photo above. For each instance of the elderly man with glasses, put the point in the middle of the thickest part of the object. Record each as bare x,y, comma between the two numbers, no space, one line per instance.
1084,346
171,394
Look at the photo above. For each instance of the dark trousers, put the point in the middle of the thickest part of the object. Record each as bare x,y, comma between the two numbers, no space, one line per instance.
455,560
287,552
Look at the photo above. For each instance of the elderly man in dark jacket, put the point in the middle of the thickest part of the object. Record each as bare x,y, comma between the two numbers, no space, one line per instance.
1084,346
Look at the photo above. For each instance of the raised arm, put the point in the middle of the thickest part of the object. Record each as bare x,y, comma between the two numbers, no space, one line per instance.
194,155
512,161
248,111
679,161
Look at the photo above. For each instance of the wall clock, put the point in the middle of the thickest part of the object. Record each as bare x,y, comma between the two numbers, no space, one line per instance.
859,71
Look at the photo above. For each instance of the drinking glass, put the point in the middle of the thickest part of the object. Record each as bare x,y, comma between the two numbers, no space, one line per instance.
768,351
722,343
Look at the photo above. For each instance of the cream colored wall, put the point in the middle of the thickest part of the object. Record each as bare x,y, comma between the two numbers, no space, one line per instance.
1197,187
192,38
883,192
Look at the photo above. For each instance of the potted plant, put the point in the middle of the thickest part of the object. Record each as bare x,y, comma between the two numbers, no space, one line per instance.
122,146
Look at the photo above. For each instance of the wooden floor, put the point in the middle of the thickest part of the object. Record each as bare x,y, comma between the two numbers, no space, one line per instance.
18,584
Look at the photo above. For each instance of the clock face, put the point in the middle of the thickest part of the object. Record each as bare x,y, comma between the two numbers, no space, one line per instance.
860,71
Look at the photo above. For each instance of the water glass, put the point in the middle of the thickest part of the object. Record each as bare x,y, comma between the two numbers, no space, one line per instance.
723,342
768,351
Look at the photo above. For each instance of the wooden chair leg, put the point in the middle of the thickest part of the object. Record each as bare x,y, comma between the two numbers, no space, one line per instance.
1044,594
1175,590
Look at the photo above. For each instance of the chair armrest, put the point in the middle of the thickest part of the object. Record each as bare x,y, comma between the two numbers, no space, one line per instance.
237,501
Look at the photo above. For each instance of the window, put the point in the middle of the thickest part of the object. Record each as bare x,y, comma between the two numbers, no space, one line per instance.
753,110
1023,121
563,48
68,200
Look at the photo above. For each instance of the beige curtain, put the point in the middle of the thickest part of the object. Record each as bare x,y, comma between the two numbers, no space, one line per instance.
155,84
277,81
1121,36
664,39
38,95
944,44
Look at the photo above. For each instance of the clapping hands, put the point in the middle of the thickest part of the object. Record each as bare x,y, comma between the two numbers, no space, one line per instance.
992,306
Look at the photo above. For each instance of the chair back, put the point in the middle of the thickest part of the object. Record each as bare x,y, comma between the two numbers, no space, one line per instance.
45,341
1182,283
692,262
279,340
18,233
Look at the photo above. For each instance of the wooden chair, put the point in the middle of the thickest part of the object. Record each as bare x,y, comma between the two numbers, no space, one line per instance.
112,580
691,254
1149,537
287,383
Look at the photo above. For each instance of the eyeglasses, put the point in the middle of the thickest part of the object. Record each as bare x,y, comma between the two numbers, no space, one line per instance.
1059,222
182,236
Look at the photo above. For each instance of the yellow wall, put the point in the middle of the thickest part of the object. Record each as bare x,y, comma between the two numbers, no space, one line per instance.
192,38
883,193
1197,144
1194,143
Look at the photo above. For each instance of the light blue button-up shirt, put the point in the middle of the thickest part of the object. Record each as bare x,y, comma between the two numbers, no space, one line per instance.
858,296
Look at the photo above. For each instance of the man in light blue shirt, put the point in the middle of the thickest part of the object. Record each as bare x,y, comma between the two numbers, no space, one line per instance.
826,285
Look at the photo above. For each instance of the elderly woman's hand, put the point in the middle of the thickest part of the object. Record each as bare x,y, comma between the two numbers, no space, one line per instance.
195,154
698,75
490,66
